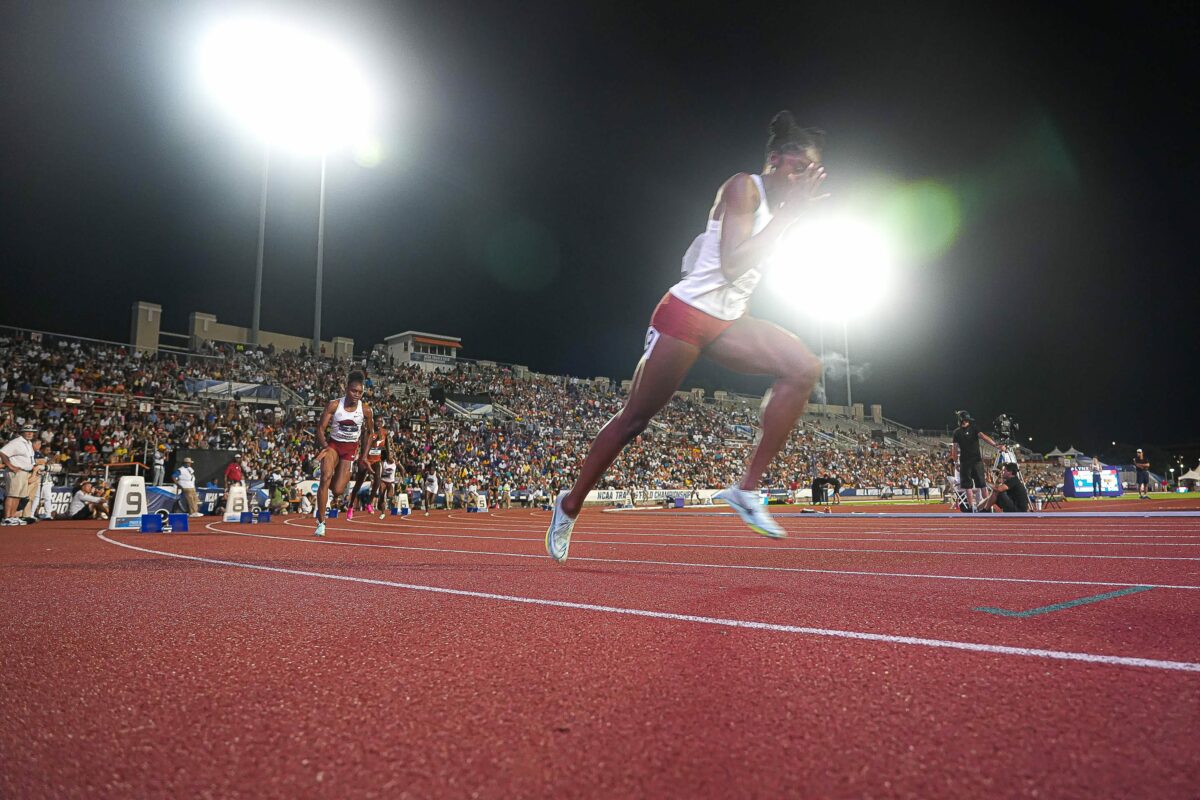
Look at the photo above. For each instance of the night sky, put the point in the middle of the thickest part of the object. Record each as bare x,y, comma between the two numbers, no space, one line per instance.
547,164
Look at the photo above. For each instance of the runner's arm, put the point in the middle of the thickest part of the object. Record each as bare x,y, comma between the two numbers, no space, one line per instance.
323,424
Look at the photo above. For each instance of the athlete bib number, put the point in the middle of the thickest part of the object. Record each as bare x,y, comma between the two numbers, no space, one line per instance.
651,338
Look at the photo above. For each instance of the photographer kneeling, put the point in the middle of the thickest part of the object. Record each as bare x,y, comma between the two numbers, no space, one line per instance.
86,505
1009,495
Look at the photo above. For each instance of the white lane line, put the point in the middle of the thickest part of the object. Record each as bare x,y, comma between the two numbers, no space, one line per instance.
735,533
1029,652
751,567
793,536
773,547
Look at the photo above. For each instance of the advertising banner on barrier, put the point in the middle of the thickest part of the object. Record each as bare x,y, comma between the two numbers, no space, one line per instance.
1081,483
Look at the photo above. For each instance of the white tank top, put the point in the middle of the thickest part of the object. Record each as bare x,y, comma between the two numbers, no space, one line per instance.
346,425
704,286
387,472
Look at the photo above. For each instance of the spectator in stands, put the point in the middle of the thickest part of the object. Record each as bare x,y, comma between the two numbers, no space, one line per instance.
1010,495
87,503
18,458
185,480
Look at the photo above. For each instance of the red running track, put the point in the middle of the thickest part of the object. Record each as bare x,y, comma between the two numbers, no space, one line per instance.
674,655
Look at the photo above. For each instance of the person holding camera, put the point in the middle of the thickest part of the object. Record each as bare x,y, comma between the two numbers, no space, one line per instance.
88,502
1010,495
965,448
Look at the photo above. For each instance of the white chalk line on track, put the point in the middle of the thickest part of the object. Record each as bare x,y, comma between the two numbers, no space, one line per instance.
774,547
794,537
679,531
1147,514
705,530
695,565
1062,655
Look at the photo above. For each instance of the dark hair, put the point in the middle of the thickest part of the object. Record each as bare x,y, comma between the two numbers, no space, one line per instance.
784,132
1011,467
356,376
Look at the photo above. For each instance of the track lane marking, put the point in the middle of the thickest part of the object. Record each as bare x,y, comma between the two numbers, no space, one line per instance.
1063,655
749,567
1082,601
771,547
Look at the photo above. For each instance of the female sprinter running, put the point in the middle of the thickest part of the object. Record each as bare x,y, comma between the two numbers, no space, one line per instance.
346,418
378,443
387,482
705,313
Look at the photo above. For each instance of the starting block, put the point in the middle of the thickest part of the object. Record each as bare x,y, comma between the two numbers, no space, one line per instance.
151,523
246,518
264,516
178,522
332,513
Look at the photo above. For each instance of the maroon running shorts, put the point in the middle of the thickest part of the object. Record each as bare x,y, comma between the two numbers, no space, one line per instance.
675,318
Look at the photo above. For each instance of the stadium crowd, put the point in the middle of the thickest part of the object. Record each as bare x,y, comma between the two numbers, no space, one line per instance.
97,405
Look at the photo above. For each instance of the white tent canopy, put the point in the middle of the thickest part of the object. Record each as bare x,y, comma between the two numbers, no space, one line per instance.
1192,474
1055,453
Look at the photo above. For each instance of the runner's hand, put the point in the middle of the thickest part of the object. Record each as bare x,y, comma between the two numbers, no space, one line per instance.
804,189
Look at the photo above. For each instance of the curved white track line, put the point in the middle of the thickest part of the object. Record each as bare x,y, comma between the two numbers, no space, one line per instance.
1062,655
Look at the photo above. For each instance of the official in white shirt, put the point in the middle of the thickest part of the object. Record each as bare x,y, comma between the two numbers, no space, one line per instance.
17,457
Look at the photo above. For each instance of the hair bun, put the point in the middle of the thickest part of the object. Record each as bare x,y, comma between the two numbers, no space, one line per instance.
782,124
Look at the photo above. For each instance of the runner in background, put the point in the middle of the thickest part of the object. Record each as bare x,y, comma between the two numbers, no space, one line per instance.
378,443
387,482
345,419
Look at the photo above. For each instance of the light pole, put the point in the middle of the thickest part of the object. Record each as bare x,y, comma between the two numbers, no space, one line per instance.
316,340
846,342
293,88
262,235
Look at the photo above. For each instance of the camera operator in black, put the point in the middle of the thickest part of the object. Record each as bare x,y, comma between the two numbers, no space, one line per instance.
1010,494
971,474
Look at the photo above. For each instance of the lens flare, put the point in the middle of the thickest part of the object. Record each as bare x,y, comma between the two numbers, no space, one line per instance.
834,268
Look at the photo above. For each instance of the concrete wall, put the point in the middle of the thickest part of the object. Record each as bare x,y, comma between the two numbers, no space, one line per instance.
204,327
145,323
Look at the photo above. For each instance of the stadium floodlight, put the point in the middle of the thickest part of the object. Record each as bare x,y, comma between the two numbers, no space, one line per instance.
292,88
834,268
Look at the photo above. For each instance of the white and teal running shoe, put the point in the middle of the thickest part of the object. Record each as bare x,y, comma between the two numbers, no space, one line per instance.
320,531
558,538
749,507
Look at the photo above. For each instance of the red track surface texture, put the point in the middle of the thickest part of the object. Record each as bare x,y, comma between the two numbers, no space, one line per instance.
674,655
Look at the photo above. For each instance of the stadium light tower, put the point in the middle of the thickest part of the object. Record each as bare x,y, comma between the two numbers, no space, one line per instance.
291,88
834,268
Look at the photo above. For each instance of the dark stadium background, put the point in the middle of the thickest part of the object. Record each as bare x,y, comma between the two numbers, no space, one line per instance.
548,163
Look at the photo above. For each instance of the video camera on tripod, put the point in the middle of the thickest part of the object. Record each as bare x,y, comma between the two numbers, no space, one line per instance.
1004,428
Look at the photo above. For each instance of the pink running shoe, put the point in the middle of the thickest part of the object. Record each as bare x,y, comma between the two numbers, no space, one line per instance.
349,514
370,508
